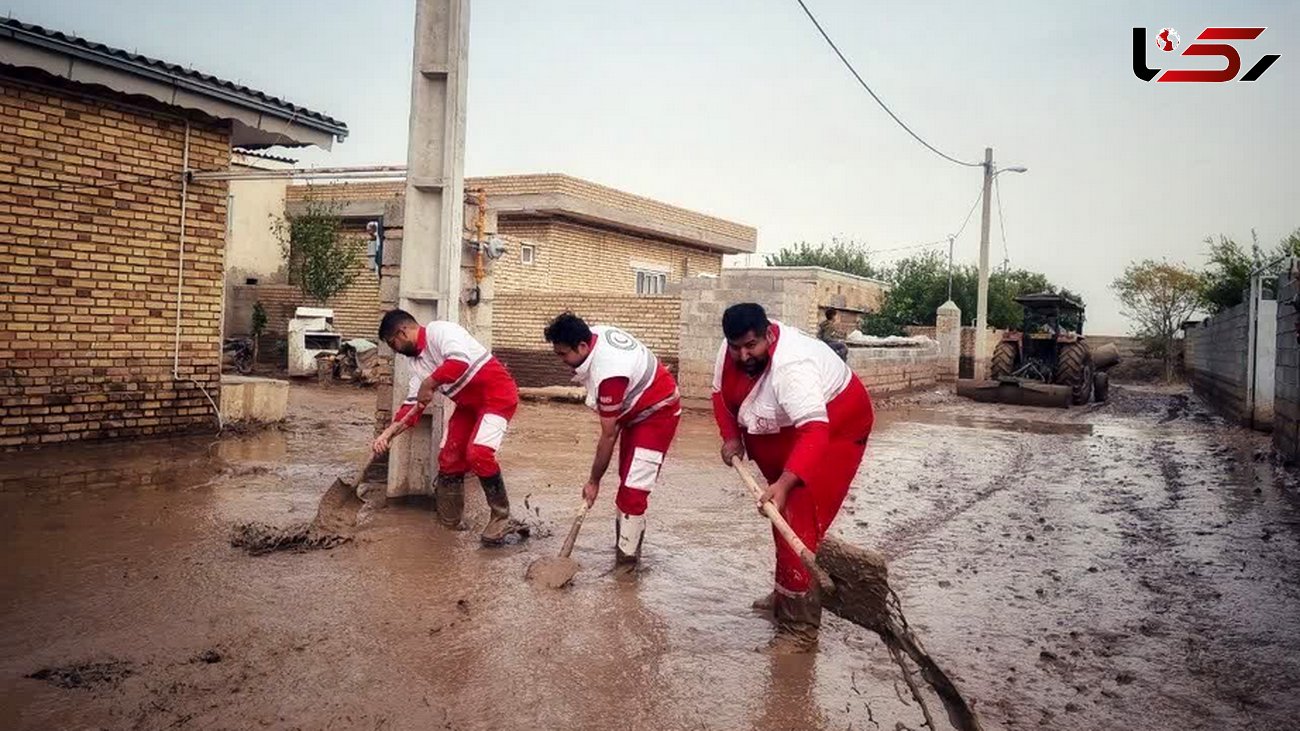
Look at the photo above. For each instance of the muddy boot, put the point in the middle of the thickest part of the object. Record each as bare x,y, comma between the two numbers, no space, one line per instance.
763,605
449,500
798,619
500,525
629,531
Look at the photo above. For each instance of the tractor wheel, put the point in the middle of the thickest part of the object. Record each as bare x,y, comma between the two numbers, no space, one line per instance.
1100,387
1074,369
1004,360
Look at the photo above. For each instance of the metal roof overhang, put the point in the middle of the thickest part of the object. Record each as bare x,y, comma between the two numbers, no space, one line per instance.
255,122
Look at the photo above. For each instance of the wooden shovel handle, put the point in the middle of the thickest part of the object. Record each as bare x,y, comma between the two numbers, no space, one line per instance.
567,548
808,557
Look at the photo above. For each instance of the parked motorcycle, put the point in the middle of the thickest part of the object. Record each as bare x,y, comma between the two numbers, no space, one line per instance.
239,352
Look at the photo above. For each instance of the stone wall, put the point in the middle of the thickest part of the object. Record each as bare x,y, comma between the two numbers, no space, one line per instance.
1215,353
89,242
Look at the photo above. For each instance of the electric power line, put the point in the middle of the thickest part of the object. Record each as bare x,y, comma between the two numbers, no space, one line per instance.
882,104
970,213
1002,226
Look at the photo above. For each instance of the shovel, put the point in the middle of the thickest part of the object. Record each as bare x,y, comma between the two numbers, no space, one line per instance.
337,512
854,583
556,572
336,517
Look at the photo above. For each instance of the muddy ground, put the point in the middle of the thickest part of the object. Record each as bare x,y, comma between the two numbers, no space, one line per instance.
1125,566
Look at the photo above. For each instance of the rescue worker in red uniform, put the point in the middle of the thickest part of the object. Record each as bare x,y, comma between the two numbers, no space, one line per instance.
789,402
639,407
445,358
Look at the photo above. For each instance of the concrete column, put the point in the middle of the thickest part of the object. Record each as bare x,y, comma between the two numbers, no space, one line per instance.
947,330
432,242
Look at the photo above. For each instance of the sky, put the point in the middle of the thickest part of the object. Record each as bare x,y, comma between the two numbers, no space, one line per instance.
738,108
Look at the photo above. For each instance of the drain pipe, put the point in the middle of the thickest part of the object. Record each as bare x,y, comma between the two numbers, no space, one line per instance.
180,282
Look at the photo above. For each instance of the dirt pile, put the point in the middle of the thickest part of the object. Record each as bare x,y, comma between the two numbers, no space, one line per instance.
259,538
85,675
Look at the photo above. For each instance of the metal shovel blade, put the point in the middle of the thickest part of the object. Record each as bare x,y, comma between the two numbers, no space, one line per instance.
553,572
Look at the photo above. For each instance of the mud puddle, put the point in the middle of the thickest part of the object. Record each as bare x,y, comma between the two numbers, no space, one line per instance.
1141,573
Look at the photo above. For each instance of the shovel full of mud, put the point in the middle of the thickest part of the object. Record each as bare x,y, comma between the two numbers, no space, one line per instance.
556,572
335,521
854,583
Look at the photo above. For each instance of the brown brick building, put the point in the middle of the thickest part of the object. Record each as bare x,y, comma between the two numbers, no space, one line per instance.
104,238
611,256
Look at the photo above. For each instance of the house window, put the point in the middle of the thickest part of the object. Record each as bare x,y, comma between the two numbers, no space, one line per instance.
527,254
648,282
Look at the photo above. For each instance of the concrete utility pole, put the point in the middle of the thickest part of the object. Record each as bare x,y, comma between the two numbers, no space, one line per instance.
432,220
982,299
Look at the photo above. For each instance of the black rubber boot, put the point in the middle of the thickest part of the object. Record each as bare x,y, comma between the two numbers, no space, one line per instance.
500,525
798,621
449,500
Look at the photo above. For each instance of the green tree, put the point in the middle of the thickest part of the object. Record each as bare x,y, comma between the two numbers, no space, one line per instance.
919,285
1159,297
1227,275
321,256
840,255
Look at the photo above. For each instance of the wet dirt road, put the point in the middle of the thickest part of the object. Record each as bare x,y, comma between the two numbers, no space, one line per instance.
1129,566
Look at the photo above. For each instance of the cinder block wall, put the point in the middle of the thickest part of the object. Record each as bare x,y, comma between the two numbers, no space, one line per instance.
1215,359
519,319
896,370
790,299
1286,398
89,264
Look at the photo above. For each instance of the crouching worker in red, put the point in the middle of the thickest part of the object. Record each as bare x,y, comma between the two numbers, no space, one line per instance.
790,403
445,358
639,407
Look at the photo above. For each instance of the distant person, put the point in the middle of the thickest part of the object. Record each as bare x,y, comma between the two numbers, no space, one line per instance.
445,358
639,407
784,399
829,334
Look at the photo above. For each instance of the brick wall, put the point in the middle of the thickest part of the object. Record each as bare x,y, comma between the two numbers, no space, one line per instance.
89,263
356,308
571,257
896,370
555,183
1215,359
518,321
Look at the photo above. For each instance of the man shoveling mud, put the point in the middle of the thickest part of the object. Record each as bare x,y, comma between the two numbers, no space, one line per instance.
445,358
794,406
639,407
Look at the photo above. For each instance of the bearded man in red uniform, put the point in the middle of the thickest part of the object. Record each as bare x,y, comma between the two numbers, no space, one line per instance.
790,403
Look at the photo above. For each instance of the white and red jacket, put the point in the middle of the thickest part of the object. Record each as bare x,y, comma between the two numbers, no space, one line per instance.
805,397
623,378
450,355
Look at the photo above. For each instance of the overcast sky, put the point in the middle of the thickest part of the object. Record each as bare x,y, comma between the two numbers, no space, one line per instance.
739,109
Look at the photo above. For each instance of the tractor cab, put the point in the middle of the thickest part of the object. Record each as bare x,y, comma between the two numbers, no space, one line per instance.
1048,348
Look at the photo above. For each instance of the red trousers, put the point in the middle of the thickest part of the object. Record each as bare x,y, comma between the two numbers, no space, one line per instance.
811,508
641,451
478,423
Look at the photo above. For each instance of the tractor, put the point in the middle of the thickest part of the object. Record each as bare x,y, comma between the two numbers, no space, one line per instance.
1048,362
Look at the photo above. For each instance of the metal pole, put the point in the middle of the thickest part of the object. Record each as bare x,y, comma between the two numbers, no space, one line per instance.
982,298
